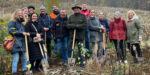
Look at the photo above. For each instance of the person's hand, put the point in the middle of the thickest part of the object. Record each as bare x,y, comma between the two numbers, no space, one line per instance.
38,35
102,28
28,34
46,29
24,33
140,39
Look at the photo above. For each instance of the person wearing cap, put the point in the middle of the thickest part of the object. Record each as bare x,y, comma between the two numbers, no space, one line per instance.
77,21
117,34
85,11
46,22
31,9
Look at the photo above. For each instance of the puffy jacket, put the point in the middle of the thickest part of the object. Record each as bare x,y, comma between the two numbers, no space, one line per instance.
86,13
118,29
16,29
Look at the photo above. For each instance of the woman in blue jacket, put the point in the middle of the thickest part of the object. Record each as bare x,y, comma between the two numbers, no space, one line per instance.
16,29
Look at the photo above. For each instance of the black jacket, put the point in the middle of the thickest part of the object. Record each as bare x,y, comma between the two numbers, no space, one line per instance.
59,27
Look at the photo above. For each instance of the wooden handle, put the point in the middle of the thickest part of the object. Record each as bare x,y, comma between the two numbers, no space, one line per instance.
104,41
74,36
26,42
45,39
41,49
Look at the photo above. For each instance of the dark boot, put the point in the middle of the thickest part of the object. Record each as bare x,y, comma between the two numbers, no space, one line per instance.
15,73
135,60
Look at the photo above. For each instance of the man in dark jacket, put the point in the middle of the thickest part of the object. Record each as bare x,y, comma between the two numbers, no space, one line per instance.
61,35
46,22
76,21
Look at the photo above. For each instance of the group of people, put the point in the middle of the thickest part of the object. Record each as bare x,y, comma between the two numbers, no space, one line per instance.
57,27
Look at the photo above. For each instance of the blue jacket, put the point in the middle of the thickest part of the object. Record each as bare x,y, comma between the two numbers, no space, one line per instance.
105,24
16,29
46,21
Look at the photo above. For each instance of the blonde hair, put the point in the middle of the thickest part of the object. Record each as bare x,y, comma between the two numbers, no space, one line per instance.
131,11
15,16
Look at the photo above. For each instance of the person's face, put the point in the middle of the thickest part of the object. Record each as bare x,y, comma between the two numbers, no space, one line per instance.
130,15
76,10
62,13
92,13
117,16
55,8
31,10
84,6
42,10
34,17
101,16
20,14
25,11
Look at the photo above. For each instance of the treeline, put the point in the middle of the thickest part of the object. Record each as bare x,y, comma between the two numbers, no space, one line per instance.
135,4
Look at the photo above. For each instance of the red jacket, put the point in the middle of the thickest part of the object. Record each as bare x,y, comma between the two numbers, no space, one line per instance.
86,13
118,30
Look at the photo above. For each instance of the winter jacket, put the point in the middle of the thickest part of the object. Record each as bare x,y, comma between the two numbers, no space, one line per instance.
34,49
79,22
85,12
134,30
46,21
117,30
16,29
94,28
104,22
59,27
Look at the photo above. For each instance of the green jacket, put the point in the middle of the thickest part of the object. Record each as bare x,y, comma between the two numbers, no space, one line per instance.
134,31
78,22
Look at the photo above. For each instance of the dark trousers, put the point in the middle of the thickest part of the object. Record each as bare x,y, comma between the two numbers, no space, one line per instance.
120,49
138,49
35,64
79,50
48,45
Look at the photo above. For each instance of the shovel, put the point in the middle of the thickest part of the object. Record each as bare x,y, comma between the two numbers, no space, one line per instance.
44,60
104,43
71,61
45,39
28,62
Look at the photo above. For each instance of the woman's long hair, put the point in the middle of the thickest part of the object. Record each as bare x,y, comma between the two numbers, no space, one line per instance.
131,11
15,16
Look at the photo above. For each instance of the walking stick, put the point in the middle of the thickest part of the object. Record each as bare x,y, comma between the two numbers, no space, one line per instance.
44,60
27,51
45,40
71,61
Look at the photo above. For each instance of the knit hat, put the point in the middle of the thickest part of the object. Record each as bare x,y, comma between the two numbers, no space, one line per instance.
117,12
42,7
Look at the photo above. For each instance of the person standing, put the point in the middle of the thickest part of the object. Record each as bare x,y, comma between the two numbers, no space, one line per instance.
78,22
96,35
35,29
53,16
104,22
61,35
134,35
31,10
16,29
46,22
117,34
85,11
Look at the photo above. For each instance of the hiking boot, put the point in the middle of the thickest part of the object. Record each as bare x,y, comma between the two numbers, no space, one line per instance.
140,59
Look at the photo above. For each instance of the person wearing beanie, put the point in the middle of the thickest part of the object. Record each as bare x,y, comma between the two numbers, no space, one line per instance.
117,34
46,22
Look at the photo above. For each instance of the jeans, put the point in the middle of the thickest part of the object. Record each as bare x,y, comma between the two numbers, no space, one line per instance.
87,43
63,46
55,46
79,50
138,49
16,60
120,49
